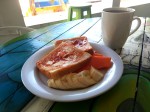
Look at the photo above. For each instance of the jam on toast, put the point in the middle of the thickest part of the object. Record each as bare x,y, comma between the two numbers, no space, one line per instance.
79,42
64,59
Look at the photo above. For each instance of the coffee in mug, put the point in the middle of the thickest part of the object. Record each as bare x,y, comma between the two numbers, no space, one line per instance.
116,25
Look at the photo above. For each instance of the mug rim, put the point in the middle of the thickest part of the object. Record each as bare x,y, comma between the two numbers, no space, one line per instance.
127,10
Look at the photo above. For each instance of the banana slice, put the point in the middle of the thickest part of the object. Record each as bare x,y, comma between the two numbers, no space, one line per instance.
79,80
85,78
51,83
67,81
96,74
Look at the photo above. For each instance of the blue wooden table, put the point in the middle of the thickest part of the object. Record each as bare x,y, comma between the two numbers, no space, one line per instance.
130,94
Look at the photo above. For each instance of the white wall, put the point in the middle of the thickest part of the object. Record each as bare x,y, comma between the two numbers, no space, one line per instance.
10,13
142,10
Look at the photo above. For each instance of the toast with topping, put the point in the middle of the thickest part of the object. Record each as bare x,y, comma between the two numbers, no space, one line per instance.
64,59
79,42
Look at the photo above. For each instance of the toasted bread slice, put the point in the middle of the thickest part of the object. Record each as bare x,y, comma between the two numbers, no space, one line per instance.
65,58
79,42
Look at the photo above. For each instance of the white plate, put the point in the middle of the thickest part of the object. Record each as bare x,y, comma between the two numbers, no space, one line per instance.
36,83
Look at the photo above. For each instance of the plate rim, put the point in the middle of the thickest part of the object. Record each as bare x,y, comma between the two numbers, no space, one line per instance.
72,98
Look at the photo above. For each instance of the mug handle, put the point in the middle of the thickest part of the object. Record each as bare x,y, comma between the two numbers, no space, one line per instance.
138,24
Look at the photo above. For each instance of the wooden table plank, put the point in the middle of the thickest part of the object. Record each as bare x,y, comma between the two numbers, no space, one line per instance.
18,41
25,50
143,94
146,46
38,104
44,35
80,29
94,33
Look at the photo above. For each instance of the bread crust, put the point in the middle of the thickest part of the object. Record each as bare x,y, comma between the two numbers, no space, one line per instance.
64,59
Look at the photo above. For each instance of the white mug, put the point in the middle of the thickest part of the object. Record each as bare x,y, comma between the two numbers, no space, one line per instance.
116,25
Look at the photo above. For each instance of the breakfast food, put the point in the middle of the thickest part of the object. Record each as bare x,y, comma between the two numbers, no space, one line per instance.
73,64
63,59
98,61
79,42
79,80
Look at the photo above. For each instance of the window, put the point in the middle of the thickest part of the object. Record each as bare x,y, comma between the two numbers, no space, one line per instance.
35,7
46,11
